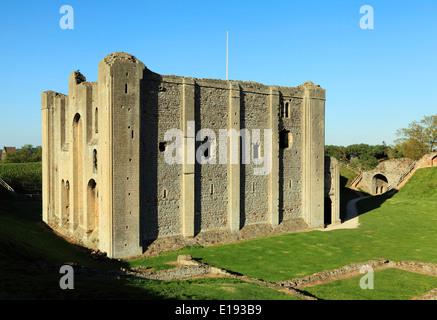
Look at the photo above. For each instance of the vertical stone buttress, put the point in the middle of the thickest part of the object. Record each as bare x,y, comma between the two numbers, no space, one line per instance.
313,115
273,194
335,197
119,145
60,103
52,108
47,127
233,157
189,138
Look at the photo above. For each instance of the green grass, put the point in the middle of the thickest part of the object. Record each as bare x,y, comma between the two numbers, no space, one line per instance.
24,245
21,172
214,288
348,174
388,284
23,177
402,227
399,227
423,184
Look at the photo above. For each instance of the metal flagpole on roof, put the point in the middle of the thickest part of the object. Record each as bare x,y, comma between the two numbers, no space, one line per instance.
227,52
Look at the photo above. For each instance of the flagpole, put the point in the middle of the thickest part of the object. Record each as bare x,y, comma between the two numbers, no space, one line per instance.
227,52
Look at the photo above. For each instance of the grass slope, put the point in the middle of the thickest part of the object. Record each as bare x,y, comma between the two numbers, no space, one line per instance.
30,257
388,284
402,227
399,227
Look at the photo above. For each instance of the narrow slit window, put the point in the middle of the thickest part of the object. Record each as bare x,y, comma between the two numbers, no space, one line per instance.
164,194
212,189
287,110
95,160
96,121
125,88
256,151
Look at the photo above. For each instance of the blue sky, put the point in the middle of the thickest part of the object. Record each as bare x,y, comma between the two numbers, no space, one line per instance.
376,81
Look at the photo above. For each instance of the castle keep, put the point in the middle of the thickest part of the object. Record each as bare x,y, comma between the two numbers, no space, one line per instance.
108,181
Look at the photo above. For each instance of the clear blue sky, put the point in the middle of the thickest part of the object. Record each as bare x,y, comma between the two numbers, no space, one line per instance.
377,81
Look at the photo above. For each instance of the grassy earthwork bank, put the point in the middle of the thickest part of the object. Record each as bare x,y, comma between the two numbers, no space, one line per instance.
396,227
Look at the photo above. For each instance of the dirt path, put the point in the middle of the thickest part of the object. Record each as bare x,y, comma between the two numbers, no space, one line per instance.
351,221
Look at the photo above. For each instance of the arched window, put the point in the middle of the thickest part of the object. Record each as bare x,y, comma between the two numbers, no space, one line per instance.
78,146
92,212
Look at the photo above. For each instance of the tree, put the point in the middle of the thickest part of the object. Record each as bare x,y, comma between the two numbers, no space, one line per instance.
27,153
419,138
361,156
337,152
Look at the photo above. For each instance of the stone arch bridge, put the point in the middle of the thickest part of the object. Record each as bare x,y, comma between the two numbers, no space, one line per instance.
390,174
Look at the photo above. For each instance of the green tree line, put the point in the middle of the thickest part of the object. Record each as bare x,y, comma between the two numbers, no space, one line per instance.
362,156
27,153
418,139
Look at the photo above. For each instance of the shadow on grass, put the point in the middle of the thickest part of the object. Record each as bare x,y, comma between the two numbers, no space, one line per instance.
31,257
374,202
346,195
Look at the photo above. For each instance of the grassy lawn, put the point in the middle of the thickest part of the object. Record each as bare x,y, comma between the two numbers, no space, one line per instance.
399,227
402,227
347,174
25,245
389,284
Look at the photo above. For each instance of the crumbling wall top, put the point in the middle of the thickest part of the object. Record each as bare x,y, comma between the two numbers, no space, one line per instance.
120,56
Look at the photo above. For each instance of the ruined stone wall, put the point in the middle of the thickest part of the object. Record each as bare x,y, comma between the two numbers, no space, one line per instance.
106,176
332,191
428,160
390,170
70,202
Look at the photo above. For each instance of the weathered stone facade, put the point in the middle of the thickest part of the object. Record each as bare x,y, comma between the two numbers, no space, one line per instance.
107,181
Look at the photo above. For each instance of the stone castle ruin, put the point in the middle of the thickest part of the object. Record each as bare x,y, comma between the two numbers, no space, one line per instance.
391,174
137,157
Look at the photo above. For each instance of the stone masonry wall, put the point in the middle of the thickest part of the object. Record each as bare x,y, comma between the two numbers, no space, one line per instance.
106,179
